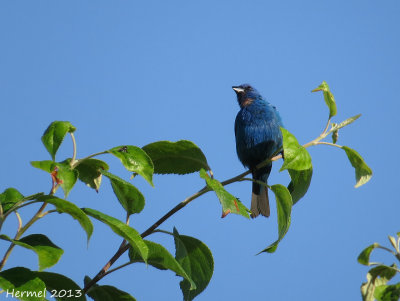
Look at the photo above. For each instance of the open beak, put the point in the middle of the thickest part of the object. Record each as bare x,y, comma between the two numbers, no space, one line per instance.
237,89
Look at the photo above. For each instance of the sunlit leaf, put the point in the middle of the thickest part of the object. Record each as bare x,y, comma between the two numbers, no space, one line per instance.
45,165
54,135
393,241
363,172
328,97
179,157
135,160
128,195
90,172
296,156
9,198
376,277
62,173
48,253
65,175
229,203
363,258
299,184
131,235
347,121
197,260
387,292
284,208
160,258
63,206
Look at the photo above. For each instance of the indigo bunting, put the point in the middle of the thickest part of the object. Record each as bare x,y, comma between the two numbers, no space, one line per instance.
258,137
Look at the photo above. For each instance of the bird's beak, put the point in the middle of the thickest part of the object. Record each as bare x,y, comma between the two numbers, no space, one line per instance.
237,89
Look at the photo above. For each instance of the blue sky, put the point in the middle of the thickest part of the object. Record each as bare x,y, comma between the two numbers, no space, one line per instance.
125,72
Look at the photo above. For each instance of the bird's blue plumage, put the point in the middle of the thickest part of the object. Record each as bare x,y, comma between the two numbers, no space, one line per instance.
258,137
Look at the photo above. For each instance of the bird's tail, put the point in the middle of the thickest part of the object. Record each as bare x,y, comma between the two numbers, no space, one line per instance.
259,197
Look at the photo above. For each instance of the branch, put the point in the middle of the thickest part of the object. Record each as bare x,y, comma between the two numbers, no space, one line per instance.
19,234
77,162
21,230
124,247
73,150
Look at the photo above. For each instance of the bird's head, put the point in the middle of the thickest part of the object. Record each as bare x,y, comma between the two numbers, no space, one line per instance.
246,94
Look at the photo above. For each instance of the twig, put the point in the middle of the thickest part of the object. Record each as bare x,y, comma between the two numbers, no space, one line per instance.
73,149
328,143
19,234
19,221
117,268
77,162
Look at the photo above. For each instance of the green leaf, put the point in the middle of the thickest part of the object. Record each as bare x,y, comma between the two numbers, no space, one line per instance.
363,172
21,281
376,277
9,198
197,260
65,175
136,160
123,230
181,157
48,253
54,136
335,136
284,207
229,203
64,206
160,258
346,122
363,258
107,293
328,97
66,288
299,184
90,172
296,156
45,165
128,195
61,173
393,241
387,292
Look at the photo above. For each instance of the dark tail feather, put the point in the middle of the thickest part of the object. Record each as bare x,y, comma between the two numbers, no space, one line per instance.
259,197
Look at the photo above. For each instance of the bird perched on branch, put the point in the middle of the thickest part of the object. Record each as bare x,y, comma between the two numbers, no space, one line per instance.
258,137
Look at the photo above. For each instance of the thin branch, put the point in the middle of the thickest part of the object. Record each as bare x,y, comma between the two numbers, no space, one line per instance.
73,149
19,207
117,268
387,249
330,144
19,221
127,218
19,234
123,248
326,127
254,181
47,212
162,231
77,162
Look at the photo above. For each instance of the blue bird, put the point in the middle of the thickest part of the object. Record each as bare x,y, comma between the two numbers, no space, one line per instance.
258,137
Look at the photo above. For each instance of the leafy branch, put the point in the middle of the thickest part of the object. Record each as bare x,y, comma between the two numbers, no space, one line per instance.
193,260
377,287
